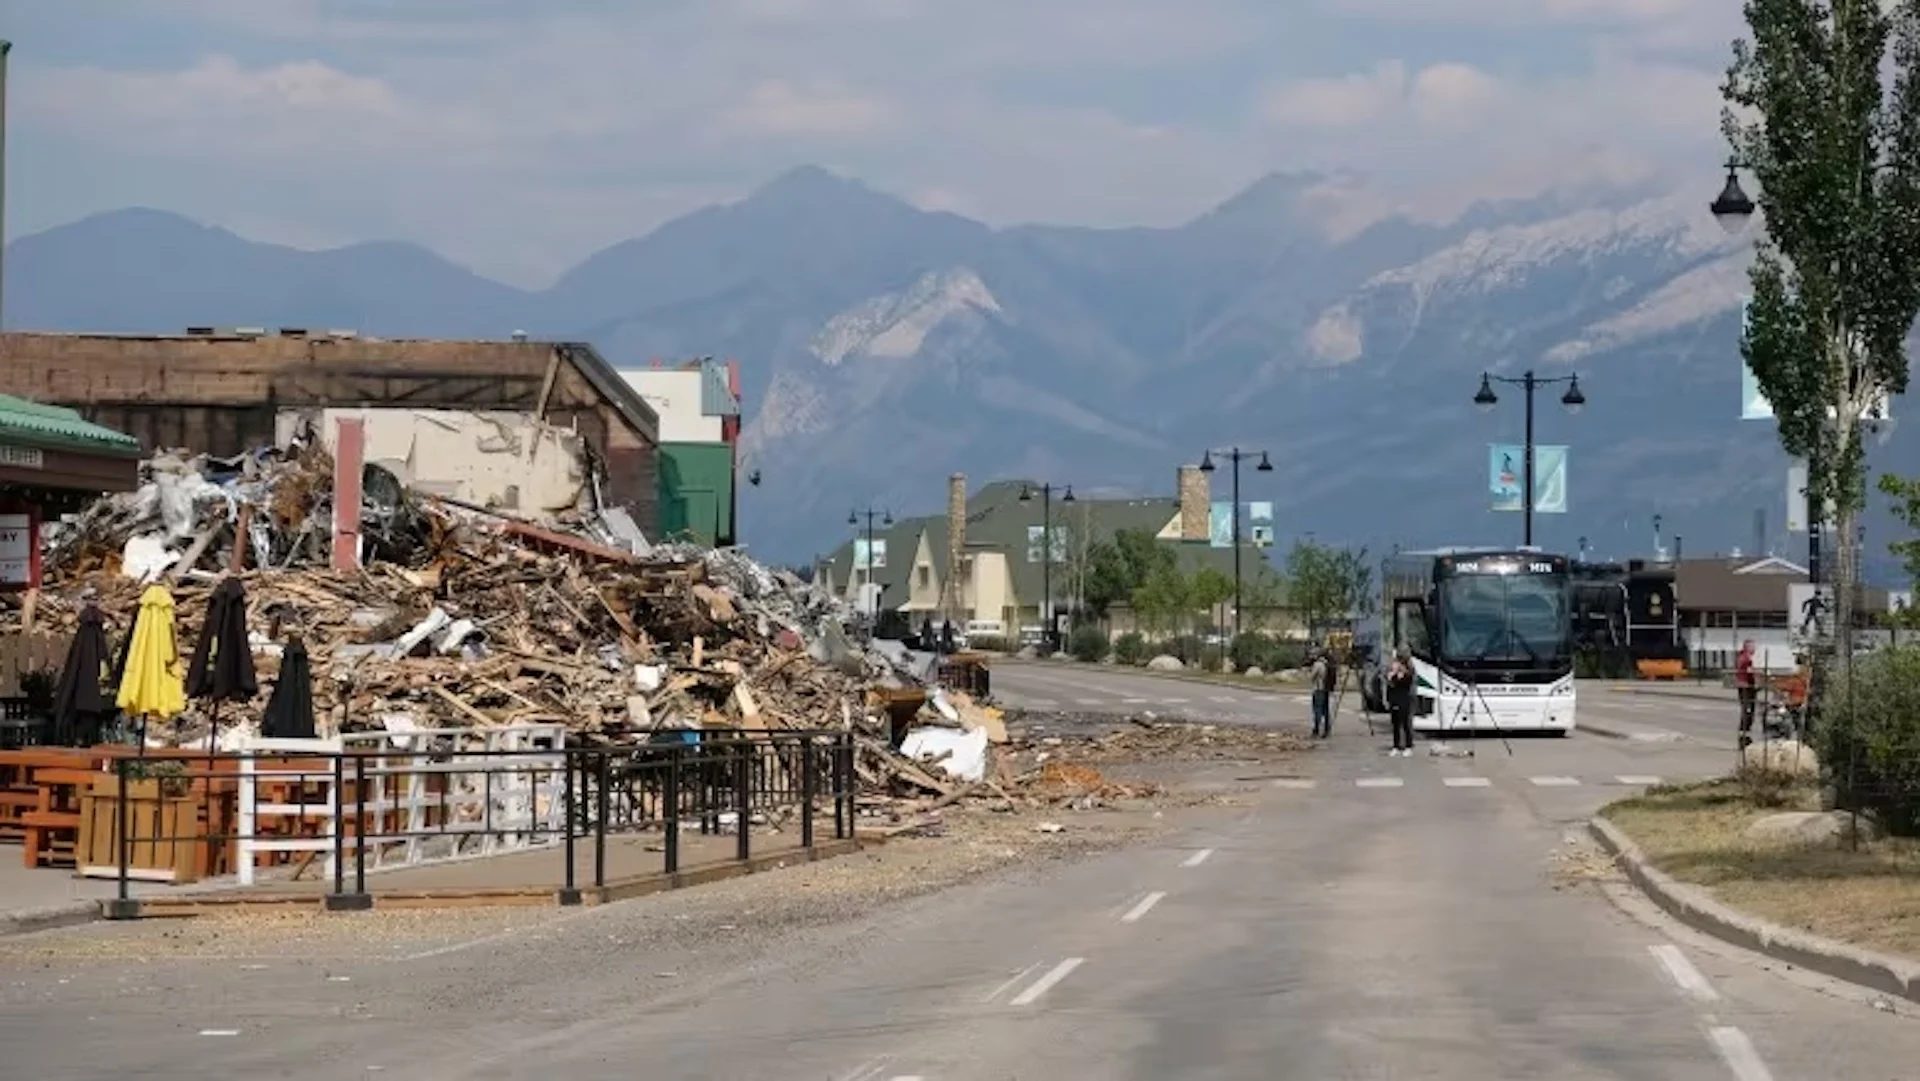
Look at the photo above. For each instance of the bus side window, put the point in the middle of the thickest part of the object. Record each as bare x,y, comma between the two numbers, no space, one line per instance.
1410,626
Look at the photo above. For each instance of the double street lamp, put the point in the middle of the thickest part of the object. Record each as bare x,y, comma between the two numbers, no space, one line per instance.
1046,551
1486,399
1236,456
866,579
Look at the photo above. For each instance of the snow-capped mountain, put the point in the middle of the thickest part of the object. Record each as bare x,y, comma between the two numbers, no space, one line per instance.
884,347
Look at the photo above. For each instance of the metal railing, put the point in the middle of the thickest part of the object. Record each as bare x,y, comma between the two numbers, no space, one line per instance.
565,819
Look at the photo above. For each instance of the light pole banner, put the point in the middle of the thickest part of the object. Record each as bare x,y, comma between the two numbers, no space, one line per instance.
1037,543
1506,477
1220,524
876,559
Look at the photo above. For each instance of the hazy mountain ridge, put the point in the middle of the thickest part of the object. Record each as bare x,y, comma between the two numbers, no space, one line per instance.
883,347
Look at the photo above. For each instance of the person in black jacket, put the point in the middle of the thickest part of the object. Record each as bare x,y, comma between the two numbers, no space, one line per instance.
1400,702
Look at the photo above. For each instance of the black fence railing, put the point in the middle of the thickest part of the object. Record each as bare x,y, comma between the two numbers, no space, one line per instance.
568,819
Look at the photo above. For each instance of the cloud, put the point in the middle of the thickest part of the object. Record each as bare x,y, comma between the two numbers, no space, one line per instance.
1667,24
517,138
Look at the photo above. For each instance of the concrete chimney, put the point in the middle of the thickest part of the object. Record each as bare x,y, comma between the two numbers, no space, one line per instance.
1196,504
953,595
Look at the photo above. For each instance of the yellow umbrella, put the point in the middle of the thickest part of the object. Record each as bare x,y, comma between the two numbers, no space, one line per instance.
153,685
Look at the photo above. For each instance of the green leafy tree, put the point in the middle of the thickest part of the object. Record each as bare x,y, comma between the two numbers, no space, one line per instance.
1327,585
1118,567
1906,507
1829,124
1163,601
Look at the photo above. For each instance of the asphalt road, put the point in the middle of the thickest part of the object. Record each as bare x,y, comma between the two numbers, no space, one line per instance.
1366,919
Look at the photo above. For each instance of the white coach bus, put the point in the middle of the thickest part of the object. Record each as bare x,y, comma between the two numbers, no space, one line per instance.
1491,637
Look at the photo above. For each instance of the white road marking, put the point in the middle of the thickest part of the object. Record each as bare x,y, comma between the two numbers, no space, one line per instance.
1014,979
1134,701
1045,983
1637,779
909,1077
1197,858
869,1069
1293,782
1379,782
219,1032
1682,972
1145,906
1467,782
1175,701
580,913
1088,701
1554,782
1738,1053
1222,698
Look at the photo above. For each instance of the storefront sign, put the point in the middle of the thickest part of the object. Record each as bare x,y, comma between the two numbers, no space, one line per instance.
17,538
22,457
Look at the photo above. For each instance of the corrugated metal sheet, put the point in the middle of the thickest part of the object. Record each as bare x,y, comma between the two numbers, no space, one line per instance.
38,422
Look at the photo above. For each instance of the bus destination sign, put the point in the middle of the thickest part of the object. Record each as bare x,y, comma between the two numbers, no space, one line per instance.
1504,565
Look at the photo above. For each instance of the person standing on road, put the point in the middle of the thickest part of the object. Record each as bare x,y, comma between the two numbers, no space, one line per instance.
1749,691
1323,677
1400,701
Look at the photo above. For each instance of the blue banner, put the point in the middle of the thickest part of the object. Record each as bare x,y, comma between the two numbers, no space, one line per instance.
1220,524
1506,477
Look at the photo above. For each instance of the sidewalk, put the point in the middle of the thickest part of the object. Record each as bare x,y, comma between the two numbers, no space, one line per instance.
1711,692
1260,684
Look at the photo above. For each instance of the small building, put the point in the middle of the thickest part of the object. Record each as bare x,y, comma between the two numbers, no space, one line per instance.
1723,601
699,408
982,563
222,391
52,462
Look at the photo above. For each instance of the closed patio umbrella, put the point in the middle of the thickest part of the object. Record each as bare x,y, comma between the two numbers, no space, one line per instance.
151,684
80,704
222,665
290,709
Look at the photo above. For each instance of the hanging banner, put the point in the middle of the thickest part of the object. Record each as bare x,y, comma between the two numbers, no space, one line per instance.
876,559
1220,525
1755,406
1506,465
1262,536
1037,541
1261,515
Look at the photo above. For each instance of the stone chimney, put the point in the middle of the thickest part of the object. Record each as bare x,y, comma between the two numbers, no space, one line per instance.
952,594
1196,503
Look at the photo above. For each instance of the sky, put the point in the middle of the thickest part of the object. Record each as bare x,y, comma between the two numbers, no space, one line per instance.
517,137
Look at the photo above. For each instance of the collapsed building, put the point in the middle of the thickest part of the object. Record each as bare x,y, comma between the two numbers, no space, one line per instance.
224,392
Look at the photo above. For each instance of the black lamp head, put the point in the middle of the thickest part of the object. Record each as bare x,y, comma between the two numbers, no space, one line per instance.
1573,399
1486,398
1206,462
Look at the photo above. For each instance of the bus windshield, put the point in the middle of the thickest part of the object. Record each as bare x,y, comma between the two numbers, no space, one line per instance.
1504,618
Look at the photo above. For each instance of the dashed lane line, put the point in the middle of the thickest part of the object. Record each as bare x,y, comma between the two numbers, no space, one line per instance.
1554,782
1638,779
1738,1053
1297,783
1047,982
1467,782
1145,906
1379,782
1197,858
1683,973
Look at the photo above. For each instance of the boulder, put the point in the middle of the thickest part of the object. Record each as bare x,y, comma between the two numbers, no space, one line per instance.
1164,663
1255,671
1786,756
1810,828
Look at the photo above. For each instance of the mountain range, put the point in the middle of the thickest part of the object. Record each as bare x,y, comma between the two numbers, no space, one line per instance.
883,347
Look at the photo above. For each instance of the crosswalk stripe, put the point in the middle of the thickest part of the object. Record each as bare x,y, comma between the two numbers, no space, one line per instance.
1134,701
1467,782
1637,779
1554,782
1379,782
1221,698
1088,701
1174,701
1293,782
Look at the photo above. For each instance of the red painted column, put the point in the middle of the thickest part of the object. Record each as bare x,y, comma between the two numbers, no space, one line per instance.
349,458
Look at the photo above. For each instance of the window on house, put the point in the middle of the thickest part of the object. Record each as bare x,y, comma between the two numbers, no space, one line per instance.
926,576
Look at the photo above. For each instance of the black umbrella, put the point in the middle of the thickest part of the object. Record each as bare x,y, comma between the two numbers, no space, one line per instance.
222,665
290,710
80,704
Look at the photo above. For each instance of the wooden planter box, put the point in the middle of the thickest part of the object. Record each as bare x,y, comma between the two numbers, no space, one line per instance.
163,823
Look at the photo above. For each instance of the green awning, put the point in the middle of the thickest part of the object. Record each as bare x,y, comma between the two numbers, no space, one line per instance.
40,425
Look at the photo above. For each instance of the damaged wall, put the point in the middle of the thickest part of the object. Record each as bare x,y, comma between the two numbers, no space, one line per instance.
223,394
506,461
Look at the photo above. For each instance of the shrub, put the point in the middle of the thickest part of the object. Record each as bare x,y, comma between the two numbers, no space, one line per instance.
1868,738
1088,644
1765,787
1253,649
1131,648
987,643
1185,647
1211,657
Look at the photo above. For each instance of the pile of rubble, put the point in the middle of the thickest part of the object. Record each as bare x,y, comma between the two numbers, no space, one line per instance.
460,617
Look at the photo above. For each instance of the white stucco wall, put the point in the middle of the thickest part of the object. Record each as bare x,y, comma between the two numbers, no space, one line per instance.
503,460
675,395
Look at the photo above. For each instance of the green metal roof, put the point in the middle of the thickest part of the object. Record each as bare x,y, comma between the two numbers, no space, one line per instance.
39,424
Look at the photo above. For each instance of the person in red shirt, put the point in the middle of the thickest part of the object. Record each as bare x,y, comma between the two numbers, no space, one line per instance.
1749,691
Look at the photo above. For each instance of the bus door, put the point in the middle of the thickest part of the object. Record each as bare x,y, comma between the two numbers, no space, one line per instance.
1412,629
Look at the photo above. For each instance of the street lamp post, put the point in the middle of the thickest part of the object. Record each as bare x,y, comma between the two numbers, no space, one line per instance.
5,48
1236,456
866,579
1733,210
1486,399
1048,633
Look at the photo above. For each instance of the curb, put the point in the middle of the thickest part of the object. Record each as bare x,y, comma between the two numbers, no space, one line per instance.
1601,730
1273,687
29,920
1693,906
